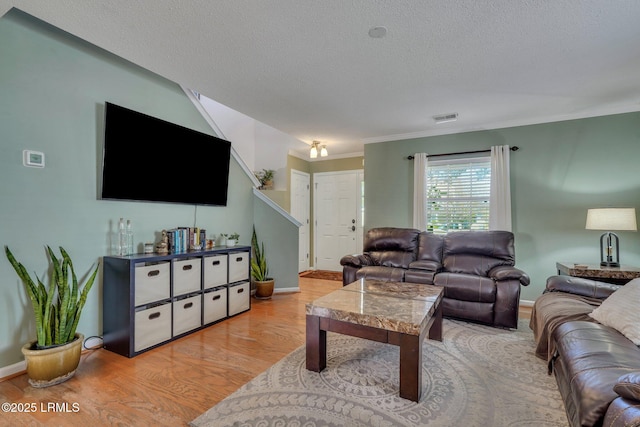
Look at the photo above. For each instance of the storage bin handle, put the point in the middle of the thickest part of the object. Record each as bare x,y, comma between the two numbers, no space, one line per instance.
241,290
239,259
153,273
188,305
215,297
154,315
216,262
187,267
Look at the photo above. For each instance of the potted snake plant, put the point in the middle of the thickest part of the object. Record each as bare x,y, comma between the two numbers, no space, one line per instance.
55,354
259,270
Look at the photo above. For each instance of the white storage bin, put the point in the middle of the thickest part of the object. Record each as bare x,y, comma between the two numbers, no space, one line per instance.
152,283
238,266
186,276
187,314
152,326
239,298
215,270
215,305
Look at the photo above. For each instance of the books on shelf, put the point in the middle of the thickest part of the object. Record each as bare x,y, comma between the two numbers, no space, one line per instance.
183,239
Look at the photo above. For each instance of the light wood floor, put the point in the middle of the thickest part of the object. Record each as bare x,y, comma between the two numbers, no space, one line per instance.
173,384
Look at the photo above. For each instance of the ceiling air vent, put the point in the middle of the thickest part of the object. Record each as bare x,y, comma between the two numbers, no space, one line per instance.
444,118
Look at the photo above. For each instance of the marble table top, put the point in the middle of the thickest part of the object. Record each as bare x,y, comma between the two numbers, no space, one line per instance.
393,306
596,271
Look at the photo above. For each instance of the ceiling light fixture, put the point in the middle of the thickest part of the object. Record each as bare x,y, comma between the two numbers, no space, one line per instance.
445,118
315,147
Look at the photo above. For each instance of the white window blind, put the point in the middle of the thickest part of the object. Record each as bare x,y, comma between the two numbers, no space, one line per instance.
458,194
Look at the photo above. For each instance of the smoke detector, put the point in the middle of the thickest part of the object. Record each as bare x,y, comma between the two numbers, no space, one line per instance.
377,32
445,118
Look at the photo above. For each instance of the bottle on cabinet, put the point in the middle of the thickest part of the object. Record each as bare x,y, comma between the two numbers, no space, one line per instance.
130,250
122,238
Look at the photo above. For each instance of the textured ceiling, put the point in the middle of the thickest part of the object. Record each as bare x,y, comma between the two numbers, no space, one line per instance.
308,67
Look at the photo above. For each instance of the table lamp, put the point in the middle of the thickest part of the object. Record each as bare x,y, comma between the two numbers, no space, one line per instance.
611,219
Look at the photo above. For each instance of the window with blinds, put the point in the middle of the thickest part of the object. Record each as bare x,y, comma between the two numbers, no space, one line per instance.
458,194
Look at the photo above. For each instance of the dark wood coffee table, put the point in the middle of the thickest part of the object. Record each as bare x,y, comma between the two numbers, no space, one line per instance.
397,313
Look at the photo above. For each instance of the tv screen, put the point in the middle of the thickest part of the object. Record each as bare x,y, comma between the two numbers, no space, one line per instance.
149,159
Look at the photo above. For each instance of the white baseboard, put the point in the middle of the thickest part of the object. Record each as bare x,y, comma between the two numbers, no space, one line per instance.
526,303
286,290
281,290
11,370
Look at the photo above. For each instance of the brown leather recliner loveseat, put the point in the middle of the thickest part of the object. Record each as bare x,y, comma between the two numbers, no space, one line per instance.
476,269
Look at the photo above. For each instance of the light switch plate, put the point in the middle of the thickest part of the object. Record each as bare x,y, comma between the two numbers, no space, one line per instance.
34,159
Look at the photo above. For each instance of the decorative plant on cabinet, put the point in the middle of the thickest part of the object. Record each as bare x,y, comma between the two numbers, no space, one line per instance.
233,239
55,355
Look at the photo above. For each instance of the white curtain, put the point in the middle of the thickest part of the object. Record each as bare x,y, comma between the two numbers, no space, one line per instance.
500,206
420,191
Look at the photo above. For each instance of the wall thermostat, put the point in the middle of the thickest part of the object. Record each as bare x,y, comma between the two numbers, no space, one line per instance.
34,159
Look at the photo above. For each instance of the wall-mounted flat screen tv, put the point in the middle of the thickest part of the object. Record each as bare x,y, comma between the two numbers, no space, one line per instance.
149,159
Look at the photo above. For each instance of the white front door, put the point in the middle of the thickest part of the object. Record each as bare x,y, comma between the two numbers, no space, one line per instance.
300,208
337,224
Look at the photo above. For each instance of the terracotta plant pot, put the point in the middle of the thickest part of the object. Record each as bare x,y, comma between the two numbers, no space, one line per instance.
264,288
52,365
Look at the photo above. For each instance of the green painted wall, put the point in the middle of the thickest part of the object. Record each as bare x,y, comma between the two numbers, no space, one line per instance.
280,238
334,165
53,88
298,164
281,197
560,171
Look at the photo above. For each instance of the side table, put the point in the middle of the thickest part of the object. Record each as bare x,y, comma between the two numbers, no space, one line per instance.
616,275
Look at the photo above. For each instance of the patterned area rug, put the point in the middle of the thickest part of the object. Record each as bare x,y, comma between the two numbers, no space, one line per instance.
322,274
478,376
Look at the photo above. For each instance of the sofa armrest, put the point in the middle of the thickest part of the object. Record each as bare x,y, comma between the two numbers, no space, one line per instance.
507,272
624,411
357,260
580,286
628,386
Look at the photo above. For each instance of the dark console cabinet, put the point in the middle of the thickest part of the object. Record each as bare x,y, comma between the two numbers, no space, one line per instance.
151,299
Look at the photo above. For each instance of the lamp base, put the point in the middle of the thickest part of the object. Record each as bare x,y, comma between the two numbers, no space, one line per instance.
609,250
609,264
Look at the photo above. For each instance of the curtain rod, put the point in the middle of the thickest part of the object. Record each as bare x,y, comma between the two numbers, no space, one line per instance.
514,148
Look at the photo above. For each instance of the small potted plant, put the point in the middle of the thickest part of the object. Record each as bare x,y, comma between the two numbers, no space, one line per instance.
233,238
55,355
259,270
265,176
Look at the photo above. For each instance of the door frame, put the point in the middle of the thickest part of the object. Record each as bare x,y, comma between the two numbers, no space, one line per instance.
307,221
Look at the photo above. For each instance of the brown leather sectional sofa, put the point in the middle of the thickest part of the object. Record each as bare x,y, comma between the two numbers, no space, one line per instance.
596,367
476,269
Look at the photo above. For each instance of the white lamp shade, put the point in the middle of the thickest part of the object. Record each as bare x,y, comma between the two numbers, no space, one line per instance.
612,219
